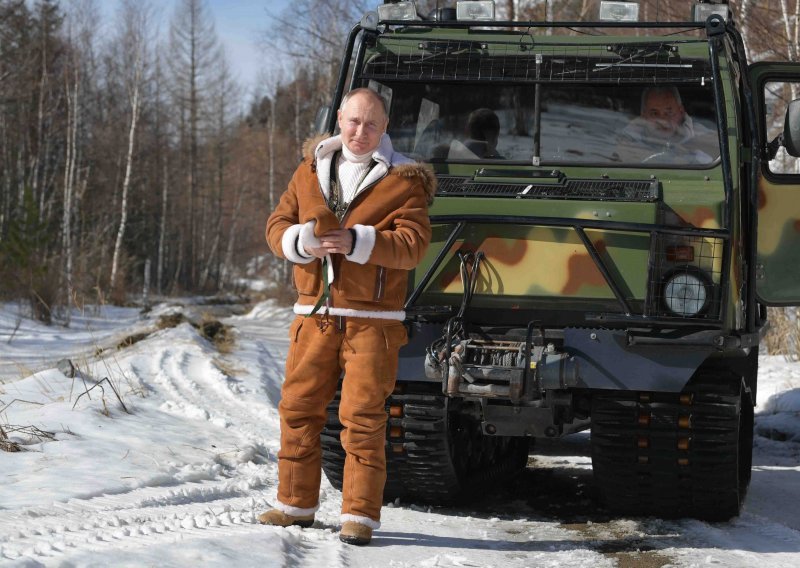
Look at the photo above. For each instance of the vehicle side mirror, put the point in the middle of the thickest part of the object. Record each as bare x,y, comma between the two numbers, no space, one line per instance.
321,120
791,129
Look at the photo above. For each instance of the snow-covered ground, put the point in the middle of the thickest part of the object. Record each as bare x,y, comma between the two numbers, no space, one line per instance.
175,471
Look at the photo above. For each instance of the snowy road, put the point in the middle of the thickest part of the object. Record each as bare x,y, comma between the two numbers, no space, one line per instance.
180,480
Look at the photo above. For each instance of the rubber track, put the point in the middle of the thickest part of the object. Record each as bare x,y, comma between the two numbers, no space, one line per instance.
648,460
419,462
424,469
333,455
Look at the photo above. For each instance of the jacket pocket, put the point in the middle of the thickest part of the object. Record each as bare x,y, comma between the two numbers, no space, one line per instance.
397,285
307,278
294,329
294,335
395,334
364,282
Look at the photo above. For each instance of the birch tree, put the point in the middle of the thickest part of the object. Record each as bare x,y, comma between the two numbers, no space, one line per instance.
791,26
270,80
165,178
224,94
133,39
194,56
80,25
73,92
226,271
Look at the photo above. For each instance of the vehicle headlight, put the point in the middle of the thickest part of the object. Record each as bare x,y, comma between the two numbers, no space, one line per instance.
619,11
475,10
686,293
701,11
405,10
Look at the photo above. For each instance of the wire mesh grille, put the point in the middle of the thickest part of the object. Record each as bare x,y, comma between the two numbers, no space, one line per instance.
686,277
597,190
520,60
450,184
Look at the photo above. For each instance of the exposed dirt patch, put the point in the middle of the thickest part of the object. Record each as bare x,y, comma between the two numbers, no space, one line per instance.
7,445
640,559
170,320
615,541
215,331
25,434
131,339
558,486
218,333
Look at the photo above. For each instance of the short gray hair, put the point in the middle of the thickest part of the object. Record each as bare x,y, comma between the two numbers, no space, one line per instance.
368,92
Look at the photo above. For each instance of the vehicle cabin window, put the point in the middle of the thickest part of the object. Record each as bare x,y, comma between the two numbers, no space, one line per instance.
579,124
777,95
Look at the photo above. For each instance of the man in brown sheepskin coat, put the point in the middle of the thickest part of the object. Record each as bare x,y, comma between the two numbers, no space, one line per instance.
353,221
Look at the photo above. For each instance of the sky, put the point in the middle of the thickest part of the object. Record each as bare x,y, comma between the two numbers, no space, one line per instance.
239,25
173,466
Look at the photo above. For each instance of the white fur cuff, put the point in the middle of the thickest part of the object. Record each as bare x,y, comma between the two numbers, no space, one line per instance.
374,525
307,237
291,247
295,511
365,242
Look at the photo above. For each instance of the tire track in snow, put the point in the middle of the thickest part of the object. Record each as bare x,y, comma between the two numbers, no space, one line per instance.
193,384
152,516
210,501
270,345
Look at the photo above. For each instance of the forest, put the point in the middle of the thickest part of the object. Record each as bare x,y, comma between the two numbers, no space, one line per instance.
133,164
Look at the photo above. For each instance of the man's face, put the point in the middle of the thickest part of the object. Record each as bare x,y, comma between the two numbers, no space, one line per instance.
362,122
663,113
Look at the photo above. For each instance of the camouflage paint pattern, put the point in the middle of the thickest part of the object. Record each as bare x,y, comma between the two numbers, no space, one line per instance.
778,257
778,253
538,261
542,262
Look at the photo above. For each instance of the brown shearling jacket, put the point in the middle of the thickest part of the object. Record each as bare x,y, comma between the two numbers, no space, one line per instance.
389,215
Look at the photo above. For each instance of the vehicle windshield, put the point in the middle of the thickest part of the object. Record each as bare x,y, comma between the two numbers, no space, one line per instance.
623,125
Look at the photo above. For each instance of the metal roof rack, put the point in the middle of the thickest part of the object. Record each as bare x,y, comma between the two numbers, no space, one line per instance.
420,58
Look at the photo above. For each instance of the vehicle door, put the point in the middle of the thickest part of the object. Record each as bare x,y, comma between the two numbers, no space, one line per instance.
775,85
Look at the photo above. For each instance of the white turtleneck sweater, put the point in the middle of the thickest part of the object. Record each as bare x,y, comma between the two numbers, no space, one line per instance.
350,169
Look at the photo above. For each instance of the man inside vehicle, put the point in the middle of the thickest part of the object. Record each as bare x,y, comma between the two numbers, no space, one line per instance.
482,133
665,133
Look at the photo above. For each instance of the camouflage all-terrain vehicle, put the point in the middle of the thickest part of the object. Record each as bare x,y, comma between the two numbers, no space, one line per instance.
580,277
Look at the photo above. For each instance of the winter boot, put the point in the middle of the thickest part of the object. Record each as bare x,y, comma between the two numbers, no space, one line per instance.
280,519
355,533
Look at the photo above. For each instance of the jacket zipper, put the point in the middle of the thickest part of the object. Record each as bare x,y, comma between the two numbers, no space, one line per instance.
379,285
381,276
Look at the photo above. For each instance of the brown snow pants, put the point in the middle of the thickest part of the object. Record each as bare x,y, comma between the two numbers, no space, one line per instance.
321,348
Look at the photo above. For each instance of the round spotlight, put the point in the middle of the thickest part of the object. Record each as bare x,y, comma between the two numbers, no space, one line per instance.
686,293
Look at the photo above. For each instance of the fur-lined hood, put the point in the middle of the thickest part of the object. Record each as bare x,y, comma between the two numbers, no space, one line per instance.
319,151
